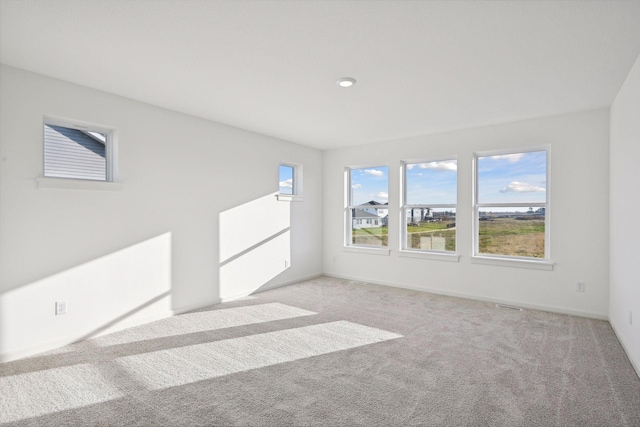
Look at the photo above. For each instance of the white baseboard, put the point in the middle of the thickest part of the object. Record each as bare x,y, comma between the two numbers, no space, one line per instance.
634,362
269,287
553,309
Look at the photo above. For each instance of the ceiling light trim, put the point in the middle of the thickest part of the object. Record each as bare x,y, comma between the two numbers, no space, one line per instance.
346,82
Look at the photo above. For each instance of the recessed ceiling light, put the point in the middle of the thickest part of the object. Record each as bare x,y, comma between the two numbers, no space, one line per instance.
346,82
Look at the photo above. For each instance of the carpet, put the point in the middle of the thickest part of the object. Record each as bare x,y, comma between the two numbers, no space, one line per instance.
330,352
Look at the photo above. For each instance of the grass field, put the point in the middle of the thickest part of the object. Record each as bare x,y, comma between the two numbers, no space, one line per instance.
500,236
512,237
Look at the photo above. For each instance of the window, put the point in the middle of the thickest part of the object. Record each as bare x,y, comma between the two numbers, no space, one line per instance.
77,152
290,182
429,206
286,179
512,205
367,210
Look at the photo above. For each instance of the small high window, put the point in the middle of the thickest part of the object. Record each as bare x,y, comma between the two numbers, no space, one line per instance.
77,152
286,183
290,182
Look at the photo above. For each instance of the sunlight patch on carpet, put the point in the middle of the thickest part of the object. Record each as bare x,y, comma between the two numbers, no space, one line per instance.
184,365
201,321
44,392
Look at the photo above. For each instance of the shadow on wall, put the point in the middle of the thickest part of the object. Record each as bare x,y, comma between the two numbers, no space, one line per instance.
255,245
121,289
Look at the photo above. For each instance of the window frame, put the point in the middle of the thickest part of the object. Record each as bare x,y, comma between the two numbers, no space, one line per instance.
348,221
111,169
404,206
296,186
511,260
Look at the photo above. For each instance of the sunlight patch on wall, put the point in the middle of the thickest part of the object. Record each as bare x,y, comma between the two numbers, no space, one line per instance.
184,365
124,288
255,245
201,321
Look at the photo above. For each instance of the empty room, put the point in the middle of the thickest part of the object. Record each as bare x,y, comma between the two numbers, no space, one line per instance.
327,213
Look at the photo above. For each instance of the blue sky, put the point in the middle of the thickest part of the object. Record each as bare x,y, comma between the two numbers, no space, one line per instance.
509,178
286,179
513,178
432,183
370,184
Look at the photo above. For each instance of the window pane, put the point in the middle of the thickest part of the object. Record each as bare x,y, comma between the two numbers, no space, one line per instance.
73,153
369,185
286,179
368,228
431,229
432,183
512,231
513,178
370,207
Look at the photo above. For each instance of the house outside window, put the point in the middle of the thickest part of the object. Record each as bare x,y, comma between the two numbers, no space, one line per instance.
511,209
77,152
429,206
367,207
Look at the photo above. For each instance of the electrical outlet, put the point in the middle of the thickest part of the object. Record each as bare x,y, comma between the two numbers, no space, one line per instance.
580,286
61,307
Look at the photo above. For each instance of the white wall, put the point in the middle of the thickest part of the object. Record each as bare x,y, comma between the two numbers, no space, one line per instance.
579,216
625,206
154,248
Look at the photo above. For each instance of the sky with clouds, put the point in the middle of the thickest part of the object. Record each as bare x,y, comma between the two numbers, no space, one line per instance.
370,184
508,178
286,179
432,183
513,178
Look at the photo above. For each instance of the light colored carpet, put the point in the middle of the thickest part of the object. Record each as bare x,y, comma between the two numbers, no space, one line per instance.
330,352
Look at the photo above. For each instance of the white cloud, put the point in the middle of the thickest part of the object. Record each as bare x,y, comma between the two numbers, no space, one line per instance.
410,166
356,186
287,183
511,157
380,195
449,165
373,172
522,187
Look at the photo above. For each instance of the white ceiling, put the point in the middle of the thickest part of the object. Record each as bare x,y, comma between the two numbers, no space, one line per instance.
271,66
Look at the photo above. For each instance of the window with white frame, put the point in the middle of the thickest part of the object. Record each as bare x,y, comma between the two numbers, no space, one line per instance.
367,210
512,205
286,179
429,205
290,181
77,152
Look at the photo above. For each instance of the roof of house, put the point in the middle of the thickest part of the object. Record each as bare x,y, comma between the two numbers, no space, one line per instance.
374,203
359,213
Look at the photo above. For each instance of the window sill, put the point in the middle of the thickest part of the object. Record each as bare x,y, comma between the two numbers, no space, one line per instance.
77,184
367,250
289,198
510,262
439,256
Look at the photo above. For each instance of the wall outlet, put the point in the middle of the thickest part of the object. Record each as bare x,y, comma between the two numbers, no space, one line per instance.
61,307
580,286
